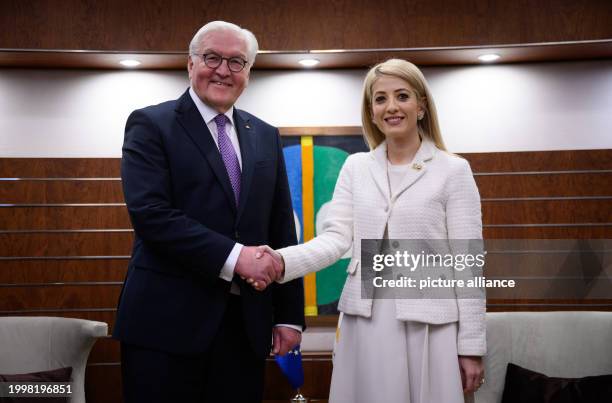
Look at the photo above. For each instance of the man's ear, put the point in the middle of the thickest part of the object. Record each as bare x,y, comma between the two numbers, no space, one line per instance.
248,77
189,66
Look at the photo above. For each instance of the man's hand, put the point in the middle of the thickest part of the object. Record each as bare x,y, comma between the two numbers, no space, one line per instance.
265,250
472,372
260,272
285,339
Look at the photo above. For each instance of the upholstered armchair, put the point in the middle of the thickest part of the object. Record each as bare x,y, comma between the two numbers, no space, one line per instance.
35,344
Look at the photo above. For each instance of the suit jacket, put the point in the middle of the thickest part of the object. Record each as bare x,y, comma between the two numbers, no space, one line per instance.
186,222
439,200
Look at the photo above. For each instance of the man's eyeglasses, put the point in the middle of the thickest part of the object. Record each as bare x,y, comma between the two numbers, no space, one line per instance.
234,64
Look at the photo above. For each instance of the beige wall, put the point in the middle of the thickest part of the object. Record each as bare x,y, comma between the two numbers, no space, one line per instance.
548,106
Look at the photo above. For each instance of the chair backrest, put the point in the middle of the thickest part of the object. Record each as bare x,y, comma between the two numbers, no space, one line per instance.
559,344
33,344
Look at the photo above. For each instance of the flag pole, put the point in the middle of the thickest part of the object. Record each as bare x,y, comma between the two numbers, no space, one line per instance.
299,398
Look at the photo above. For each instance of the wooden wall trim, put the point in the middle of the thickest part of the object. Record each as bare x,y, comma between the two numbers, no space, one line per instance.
320,131
309,25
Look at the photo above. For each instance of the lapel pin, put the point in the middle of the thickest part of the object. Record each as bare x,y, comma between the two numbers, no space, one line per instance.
247,126
417,166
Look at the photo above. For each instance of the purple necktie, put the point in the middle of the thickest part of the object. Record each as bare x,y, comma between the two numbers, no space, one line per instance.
228,154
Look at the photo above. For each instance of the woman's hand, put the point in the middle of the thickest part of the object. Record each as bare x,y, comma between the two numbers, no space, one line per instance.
472,372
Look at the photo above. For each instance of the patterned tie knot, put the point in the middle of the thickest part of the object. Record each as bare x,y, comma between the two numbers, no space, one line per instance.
221,120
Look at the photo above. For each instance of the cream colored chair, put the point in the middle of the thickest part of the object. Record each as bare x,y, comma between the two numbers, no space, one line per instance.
34,344
557,344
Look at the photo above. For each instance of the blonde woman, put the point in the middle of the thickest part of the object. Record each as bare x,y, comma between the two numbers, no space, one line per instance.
406,187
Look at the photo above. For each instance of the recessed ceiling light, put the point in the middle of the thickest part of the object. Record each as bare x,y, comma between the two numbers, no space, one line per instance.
309,62
129,63
490,57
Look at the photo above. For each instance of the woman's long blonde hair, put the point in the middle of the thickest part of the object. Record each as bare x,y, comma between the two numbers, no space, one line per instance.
427,127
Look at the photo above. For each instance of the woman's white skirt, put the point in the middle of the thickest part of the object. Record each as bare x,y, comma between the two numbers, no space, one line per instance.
384,360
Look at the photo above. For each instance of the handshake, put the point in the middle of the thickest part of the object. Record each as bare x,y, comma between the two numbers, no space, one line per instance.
260,266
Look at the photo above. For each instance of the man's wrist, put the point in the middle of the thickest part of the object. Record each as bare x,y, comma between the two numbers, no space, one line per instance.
227,271
294,327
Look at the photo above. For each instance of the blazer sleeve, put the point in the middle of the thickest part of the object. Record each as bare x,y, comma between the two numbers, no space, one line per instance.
147,187
336,237
288,298
464,222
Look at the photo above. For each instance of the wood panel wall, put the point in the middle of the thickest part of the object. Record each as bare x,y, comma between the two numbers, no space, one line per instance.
157,26
65,240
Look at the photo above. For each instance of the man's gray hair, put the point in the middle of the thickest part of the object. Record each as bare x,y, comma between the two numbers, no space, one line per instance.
249,38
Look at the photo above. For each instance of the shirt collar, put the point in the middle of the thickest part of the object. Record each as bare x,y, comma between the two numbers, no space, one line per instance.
208,113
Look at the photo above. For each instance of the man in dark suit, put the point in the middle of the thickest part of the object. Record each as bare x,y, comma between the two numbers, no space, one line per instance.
204,182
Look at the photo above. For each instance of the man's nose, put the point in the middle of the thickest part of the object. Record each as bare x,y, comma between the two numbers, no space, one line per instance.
223,69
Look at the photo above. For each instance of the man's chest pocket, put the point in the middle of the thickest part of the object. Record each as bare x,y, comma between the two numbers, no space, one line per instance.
264,163
264,175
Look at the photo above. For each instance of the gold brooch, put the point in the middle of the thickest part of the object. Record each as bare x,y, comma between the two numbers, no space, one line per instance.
417,166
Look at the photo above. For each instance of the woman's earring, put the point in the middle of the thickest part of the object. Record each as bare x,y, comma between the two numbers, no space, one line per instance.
420,116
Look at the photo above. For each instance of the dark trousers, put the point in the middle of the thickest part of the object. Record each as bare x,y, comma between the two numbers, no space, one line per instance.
229,372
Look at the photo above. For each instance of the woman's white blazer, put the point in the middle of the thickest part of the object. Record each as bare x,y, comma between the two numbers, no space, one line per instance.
437,199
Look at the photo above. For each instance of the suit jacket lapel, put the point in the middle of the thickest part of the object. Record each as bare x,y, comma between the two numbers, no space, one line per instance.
190,118
378,169
418,167
246,137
